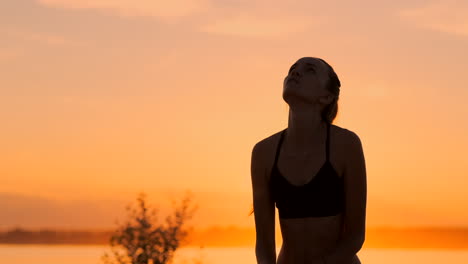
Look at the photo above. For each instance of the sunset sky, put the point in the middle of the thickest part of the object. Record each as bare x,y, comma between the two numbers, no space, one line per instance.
102,99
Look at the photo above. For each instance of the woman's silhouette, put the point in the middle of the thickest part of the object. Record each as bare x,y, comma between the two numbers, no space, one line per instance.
315,174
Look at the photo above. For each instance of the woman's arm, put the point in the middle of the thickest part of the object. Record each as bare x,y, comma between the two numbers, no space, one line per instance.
355,181
264,208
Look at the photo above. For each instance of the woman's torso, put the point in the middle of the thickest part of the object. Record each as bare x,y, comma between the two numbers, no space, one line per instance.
306,239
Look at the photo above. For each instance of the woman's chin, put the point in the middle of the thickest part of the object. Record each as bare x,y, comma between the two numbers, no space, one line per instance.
291,84
290,91
293,98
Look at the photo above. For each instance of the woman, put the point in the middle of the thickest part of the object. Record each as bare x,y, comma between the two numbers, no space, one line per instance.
315,174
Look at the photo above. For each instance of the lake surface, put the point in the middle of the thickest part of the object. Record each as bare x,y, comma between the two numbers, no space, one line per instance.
71,254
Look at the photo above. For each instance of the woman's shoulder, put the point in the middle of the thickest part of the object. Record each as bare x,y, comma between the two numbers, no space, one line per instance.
269,141
345,138
265,148
343,133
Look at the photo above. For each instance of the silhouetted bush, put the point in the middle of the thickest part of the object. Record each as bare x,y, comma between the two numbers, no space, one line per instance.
144,241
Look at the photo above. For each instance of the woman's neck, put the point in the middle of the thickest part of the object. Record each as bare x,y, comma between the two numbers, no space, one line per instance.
305,129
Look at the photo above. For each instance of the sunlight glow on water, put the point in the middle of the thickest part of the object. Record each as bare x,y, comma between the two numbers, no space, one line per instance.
71,254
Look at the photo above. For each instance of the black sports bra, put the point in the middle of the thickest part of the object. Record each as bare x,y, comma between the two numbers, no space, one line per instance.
321,196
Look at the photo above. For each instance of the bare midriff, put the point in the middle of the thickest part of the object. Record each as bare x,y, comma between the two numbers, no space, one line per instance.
306,240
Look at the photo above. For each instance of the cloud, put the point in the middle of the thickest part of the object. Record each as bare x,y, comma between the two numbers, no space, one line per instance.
449,16
240,18
255,25
41,37
166,10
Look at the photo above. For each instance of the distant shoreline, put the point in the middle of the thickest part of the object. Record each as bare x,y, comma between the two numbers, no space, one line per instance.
231,236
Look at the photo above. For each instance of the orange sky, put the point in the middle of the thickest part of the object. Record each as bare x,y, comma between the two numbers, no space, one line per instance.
101,100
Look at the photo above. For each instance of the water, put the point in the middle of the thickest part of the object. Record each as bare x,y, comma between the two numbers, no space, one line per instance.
71,254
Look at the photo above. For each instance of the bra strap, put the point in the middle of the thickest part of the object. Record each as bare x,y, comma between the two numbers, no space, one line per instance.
278,146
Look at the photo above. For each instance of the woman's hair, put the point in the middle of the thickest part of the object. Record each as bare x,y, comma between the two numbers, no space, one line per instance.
333,85
330,111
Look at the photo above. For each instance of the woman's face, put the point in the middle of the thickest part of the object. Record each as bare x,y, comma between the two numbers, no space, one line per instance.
305,82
